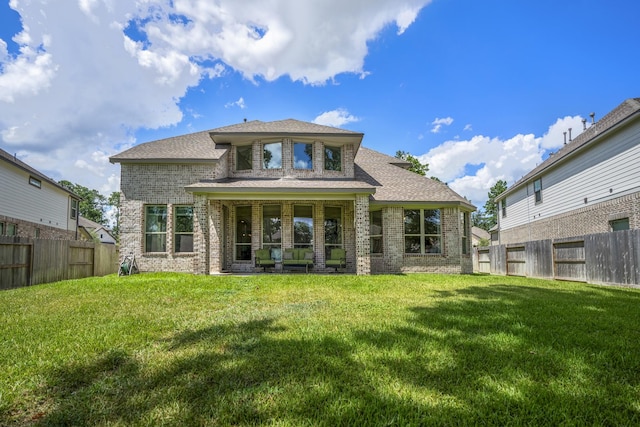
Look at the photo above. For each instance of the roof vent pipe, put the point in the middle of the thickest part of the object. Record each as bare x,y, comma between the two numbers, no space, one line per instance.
565,138
593,117
584,124
569,134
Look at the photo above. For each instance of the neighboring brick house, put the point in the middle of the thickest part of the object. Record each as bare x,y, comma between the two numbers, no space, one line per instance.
591,185
205,202
33,205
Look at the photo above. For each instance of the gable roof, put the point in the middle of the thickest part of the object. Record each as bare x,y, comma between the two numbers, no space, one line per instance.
624,112
209,145
395,184
13,160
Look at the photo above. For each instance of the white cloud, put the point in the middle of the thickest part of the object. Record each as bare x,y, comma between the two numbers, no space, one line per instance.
90,73
468,127
335,118
471,167
239,103
438,123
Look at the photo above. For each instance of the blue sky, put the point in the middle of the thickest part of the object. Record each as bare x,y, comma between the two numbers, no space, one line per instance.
480,90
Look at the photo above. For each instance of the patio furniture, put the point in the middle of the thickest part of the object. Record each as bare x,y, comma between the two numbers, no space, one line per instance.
294,257
337,259
264,260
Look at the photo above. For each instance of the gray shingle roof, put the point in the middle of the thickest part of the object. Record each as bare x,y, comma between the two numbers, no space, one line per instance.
621,113
398,185
10,158
288,126
283,185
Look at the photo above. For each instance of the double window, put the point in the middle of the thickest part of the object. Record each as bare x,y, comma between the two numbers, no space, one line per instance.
422,231
155,229
375,224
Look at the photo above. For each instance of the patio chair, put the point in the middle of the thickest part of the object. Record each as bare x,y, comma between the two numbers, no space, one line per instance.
264,260
337,259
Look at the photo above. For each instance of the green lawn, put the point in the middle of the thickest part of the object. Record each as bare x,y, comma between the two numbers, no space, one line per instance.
175,349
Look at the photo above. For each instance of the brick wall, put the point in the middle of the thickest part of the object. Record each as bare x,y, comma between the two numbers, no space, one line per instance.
588,220
32,229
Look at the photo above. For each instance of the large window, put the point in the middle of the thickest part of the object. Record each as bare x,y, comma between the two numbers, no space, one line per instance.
155,228
183,229
537,190
422,231
332,158
243,233
302,226
375,224
272,230
272,155
332,229
244,157
302,155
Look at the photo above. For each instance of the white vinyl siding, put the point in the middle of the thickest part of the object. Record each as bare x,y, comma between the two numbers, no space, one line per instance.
47,205
604,172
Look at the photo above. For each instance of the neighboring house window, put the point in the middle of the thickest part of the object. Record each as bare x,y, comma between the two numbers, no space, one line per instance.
302,226
422,231
272,230
1,228
272,155
243,233
12,229
332,158
375,224
537,190
183,229
156,228
302,155
244,157
504,207
35,182
37,235
74,209
619,224
465,233
332,229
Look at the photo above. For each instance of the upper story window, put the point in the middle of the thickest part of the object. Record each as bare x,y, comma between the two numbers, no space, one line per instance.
74,209
302,155
272,155
537,190
332,158
504,207
35,182
244,157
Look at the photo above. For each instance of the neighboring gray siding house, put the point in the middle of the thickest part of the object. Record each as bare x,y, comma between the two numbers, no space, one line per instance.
33,205
207,201
591,185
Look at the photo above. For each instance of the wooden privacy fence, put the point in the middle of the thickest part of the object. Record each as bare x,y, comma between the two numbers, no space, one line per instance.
25,262
606,258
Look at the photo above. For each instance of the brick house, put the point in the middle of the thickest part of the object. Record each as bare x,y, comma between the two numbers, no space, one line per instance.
591,185
33,205
207,201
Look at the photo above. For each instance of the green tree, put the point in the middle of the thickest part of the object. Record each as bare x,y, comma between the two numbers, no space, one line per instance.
92,204
416,166
491,207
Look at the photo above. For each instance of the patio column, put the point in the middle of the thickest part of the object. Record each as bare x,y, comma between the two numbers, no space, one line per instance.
215,237
363,251
201,234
